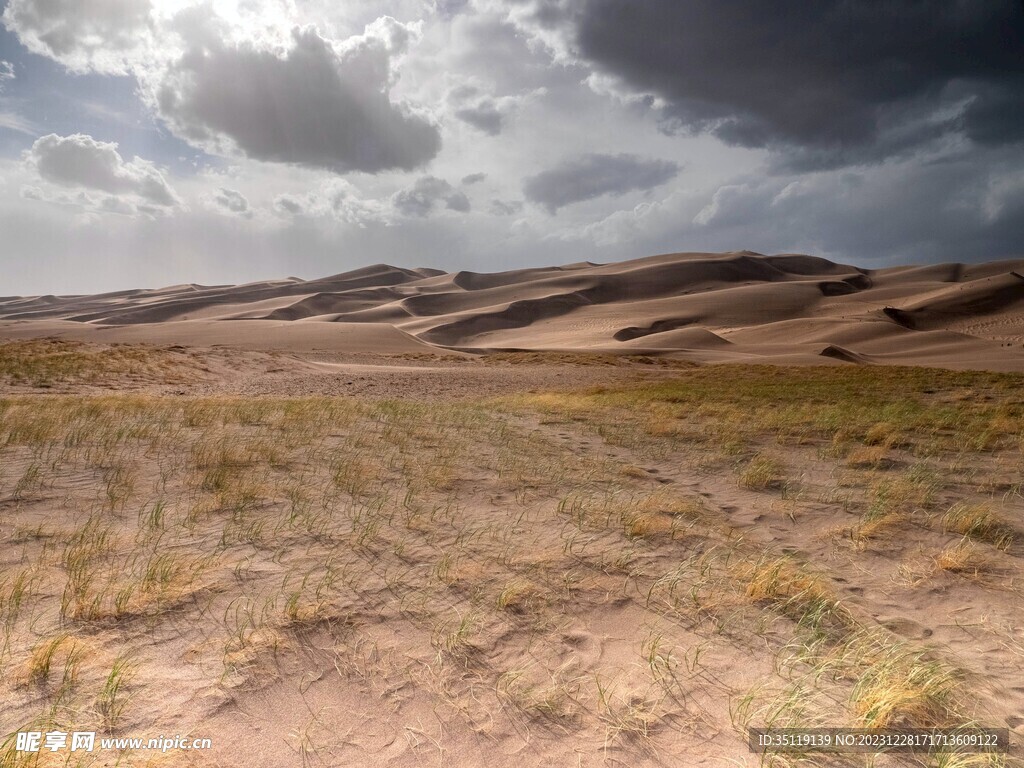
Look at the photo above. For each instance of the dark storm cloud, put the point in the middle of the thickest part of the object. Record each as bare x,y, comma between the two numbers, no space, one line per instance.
997,117
595,175
956,209
473,178
830,82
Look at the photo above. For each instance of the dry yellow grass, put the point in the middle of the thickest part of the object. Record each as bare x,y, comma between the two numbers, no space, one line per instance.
979,523
515,569
45,363
873,456
962,558
902,687
883,434
794,591
762,473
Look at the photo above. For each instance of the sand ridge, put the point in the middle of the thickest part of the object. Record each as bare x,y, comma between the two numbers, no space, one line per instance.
704,307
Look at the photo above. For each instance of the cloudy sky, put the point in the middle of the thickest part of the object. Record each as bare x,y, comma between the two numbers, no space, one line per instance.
153,142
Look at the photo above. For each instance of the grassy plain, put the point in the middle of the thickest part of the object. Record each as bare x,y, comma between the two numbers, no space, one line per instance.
629,574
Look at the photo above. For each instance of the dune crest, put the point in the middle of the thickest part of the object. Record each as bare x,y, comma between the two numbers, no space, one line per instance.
700,306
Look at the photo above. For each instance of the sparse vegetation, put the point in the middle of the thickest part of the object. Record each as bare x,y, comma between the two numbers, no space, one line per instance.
45,363
963,558
113,695
979,523
611,565
762,473
902,686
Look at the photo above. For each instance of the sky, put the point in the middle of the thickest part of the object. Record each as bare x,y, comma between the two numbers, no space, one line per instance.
155,142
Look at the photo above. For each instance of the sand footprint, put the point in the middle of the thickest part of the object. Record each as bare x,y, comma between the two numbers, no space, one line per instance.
906,628
392,750
582,650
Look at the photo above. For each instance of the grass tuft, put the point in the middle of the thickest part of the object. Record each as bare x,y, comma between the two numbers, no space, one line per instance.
762,473
978,523
962,558
902,686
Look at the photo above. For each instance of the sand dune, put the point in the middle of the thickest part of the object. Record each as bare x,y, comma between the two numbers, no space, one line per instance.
403,518
984,296
734,306
237,334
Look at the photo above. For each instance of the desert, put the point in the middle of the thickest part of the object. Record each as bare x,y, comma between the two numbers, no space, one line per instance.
511,383
587,515
735,307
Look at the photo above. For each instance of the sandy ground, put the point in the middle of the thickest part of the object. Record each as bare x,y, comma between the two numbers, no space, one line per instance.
209,372
422,574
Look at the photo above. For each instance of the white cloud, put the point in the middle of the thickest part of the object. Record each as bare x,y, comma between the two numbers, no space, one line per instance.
731,203
319,104
473,103
291,205
426,194
101,178
339,200
15,122
472,106
352,16
229,201
99,35
336,200
6,73
241,78
89,204
543,22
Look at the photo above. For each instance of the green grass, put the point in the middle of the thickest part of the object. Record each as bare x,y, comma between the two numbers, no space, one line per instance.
114,696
